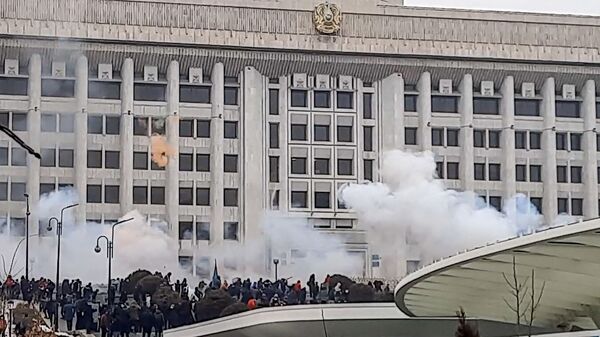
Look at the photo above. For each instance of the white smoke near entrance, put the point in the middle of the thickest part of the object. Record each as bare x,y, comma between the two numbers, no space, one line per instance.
414,207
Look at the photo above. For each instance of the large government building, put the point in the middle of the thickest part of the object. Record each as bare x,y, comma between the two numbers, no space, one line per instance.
274,104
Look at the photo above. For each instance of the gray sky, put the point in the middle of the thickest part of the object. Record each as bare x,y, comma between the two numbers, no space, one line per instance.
586,7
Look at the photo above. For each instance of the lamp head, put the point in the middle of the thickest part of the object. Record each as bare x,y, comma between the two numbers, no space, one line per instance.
49,228
276,261
97,249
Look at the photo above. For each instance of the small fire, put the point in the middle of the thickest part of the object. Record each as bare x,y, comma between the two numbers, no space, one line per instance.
161,150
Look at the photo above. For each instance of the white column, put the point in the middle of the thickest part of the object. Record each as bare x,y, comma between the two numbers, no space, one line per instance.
216,154
254,187
507,110
465,108
80,153
424,111
172,169
590,154
392,112
127,136
550,202
33,127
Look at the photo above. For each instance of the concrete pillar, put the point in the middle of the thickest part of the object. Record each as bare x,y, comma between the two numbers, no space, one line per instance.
550,201
127,136
424,111
216,154
172,128
507,110
80,153
254,186
590,154
33,126
465,108
392,115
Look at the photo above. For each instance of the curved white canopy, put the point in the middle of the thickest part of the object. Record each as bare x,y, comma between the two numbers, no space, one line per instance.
565,262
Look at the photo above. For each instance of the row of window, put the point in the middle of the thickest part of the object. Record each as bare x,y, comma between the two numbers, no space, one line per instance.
186,196
186,162
321,133
321,200
345,167
321,99
186,230
200,128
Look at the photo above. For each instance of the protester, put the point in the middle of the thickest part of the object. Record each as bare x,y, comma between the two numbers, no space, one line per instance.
3,326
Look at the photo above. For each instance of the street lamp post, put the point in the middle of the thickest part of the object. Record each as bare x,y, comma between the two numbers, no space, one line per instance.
109,254
27,214
276,262
59,225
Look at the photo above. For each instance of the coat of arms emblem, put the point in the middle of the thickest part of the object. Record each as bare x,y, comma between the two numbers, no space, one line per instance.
327,18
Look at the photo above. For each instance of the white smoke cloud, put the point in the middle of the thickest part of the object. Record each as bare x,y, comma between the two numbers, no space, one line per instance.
438,221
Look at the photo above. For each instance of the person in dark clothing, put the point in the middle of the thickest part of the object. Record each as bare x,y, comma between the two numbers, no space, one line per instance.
68,313
159,322
172,317
147,322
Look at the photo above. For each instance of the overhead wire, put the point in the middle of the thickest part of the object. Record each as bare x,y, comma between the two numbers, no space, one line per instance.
19,141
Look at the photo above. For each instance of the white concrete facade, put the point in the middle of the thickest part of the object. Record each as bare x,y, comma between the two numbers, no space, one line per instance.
388,80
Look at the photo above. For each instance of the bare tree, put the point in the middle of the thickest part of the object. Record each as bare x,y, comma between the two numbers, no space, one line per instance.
518,290
465,329
534,301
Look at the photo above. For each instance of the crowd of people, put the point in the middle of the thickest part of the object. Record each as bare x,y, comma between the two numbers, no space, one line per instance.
143,309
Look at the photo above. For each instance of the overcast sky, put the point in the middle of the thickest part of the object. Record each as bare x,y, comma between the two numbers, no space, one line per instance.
587,7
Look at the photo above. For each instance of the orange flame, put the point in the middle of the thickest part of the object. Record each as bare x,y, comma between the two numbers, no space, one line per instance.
161,150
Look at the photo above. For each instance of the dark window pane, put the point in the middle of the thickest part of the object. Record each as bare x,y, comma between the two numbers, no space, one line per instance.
158,125
4,156
321,133
368,169
113,125
527,107
452,137
48,123
273,101
230,196
410,103
94,159
4,117
203,128
368,138
537,202
140,160
444,104
95,125
520,139
112,159
345,100
19,157
186,230
299,98
140,195
111,194
13,86
479,171
203,162
494,139
568,109
231,95
298,165
485,106
298,132
561,174
575,142
563,205
58,88
496,202
231,231
157,195
230,130
186,196
4,191
344,133
521,172
576,206
104,90
186,162
561,141
437,137
322,99
203,196
345,167
479,138
186,128
535,140
410,136
597,109
17,191
46,188
274,169
231,163
94,194
49,158
439,169
322,200
149,92
140,126
452,170
19,121
202,231
65,158
273,135
576,174
66,123
535,173
321,166
194,94
299,199
367,106
494,172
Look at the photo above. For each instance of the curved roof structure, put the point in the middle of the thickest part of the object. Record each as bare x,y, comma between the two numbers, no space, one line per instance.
564,261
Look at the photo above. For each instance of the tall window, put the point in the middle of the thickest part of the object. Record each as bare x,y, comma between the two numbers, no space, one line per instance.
273,101
367,106
274,135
